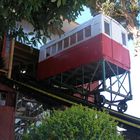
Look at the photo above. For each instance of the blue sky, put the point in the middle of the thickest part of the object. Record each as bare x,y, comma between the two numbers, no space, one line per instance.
85,15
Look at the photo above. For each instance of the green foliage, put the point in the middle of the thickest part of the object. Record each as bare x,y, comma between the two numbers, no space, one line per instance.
46,16
121,10
75,123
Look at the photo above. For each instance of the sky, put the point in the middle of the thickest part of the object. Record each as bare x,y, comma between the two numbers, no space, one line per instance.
85,15
133,105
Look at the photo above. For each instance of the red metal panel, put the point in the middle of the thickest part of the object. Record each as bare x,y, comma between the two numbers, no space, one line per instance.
6,50
5,88
6,123
91,50
86,52
115,53
126,58
106,46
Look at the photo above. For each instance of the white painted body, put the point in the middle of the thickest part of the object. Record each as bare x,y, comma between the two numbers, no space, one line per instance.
97,26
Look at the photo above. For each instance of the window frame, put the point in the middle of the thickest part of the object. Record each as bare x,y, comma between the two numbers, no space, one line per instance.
123,36
48,53
73,39
52,49
79,36
60,42
87,31
66,42
107,28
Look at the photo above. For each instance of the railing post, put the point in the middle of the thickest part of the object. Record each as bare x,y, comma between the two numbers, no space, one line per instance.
104,74
10,65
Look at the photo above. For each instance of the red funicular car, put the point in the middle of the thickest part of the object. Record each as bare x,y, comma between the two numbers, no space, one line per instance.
77,53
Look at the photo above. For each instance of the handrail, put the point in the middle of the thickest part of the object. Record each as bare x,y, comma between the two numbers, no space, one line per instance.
120,117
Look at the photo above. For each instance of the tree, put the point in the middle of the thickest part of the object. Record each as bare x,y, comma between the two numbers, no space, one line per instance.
124,11
46,17
75,123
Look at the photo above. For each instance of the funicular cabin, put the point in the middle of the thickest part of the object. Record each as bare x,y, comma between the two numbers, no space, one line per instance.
96,50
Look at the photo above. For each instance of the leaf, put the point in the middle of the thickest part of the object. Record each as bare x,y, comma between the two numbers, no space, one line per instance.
53,0
74,123
63,2
59,3
31,33
39,41
44,39
20,2
34,43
